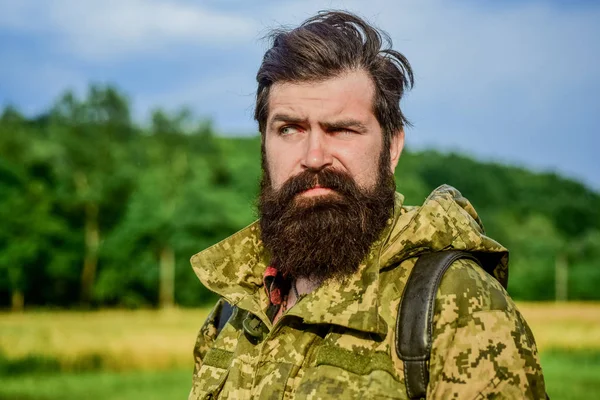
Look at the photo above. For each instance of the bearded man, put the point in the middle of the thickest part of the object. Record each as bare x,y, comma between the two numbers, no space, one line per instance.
317,282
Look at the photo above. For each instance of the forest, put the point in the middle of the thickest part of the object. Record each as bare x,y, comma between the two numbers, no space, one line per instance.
98,210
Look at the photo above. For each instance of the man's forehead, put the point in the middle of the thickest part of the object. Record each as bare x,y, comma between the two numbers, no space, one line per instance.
344,82
342,97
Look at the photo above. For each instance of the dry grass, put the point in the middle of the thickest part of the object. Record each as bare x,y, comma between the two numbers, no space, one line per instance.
164,339
121,339
564,325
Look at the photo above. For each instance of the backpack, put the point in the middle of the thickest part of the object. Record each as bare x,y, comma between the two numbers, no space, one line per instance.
414,324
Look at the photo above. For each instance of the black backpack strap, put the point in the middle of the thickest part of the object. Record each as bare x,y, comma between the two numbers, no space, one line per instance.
253,326
224,315
414,324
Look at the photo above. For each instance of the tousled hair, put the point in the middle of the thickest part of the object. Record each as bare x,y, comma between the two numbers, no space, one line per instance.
327,45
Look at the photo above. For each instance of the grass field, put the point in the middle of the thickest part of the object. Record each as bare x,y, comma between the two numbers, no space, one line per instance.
147,354
117,340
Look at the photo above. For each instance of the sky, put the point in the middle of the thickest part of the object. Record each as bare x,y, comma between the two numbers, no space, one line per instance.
516,82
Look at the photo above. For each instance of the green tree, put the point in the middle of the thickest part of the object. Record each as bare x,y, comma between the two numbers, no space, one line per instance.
93,134
30,229
177,196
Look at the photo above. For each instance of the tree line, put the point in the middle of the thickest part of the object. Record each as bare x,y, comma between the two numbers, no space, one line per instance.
97,210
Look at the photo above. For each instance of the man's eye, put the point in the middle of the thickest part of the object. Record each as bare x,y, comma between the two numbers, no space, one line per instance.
288,130
342,132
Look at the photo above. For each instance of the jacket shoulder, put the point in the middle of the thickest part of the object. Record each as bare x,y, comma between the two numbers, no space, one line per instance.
482,345
467,288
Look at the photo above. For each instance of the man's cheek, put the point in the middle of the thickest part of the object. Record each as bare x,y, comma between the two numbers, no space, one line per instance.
274,172
278,178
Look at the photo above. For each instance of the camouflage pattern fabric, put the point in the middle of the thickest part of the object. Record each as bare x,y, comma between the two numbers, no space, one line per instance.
339,341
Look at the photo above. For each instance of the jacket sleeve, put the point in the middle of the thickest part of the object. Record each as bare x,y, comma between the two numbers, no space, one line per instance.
482,346
207,335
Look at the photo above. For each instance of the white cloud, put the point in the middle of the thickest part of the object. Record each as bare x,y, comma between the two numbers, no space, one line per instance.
464,55
456,47
502,80
115,29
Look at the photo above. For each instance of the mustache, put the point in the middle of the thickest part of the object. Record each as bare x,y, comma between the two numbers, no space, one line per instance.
323,237
338,181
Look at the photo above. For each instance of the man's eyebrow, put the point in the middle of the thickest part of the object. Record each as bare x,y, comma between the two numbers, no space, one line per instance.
345,124
286,118
348,123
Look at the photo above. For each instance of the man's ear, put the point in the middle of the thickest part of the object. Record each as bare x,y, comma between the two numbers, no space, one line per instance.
396,146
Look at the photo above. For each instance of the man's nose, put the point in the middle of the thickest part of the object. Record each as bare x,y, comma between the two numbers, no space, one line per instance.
317,155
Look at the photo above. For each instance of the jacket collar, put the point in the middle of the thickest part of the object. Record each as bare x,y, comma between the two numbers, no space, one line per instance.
234,268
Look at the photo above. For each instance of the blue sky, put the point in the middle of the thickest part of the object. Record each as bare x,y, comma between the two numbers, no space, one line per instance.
512,81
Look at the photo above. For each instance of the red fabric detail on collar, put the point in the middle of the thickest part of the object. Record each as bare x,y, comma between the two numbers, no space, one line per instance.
273,281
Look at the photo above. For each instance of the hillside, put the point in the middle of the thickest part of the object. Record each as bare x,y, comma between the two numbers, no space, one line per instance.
99,211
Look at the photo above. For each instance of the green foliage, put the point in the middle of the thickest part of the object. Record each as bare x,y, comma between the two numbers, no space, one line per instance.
538,216
46,365
569,374
147,385
98,211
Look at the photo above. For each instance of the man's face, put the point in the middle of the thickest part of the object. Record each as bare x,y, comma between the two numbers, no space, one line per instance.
328,187
328,124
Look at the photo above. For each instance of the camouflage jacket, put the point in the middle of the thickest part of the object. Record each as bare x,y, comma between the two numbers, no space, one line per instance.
339,340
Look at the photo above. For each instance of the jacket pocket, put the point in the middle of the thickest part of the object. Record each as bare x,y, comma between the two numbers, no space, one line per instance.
212,375
344,374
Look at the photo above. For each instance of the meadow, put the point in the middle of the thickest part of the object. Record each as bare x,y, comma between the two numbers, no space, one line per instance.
119,354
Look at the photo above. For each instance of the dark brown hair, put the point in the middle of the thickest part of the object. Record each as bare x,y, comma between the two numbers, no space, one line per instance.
327,45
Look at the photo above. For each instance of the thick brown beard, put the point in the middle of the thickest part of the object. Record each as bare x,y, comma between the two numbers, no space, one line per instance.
323,237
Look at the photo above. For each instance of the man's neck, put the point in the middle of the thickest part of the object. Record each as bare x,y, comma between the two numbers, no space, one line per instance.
303,287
